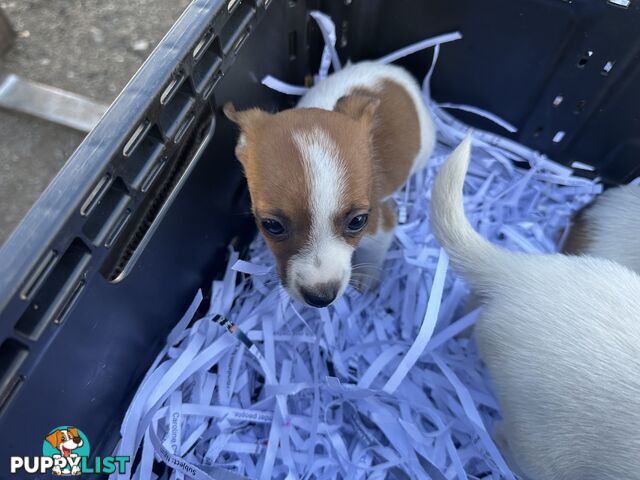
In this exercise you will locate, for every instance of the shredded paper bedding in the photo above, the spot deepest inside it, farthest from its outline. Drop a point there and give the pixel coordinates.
(386, 384)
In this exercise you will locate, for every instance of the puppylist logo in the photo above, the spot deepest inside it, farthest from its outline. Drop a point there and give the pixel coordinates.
(65, 452)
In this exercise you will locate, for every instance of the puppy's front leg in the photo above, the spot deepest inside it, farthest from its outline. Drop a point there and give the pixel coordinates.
(368, 258)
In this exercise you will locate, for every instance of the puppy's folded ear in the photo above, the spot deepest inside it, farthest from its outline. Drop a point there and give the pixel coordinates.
(248, 121)
(358, 106)
(230, 112)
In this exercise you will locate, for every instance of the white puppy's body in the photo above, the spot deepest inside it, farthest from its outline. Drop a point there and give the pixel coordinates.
(370, 75)
(561, 338)
(609, 227)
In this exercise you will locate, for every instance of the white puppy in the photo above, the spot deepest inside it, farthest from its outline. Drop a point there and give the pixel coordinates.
(609, 227)
(561, 338)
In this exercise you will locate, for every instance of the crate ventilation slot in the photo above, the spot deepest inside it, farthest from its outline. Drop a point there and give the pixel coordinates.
(559, 136)
(144, 221)
(231, 6)
(172, 88)
(12, 356)
(207, 71)
(142, 166)
(150, 178)
(108, 214)
(136, 138)
(236, 30)
(177, 113)
(96, 194)
(240, 41)
(203, 45)
(55, 297)
(39, 274)
(620, 3)
(184, 128)
(606, 70)
(584, 59)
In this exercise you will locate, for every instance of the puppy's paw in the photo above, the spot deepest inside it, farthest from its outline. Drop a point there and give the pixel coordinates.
(75, 470)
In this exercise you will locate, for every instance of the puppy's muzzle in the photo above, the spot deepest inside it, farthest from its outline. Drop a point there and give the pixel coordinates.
(321, 295)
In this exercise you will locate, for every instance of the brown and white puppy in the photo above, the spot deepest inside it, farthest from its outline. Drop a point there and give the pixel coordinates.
(609, 227)
(321, 175)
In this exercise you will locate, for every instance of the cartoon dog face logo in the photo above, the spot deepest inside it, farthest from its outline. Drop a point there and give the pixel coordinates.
(65, 440)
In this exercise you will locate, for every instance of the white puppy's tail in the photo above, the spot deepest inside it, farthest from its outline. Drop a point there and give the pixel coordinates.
(470, 254)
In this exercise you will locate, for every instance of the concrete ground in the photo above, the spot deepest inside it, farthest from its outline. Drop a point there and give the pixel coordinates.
(90, 47)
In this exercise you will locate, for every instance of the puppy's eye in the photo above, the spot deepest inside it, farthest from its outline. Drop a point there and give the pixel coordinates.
(273, 227)
(357, 223)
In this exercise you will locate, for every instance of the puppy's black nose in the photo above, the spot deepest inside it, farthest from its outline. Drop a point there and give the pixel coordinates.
(321, 295)
(77, 440)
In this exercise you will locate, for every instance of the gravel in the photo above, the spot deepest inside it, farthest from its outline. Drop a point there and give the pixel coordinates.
(90, 47)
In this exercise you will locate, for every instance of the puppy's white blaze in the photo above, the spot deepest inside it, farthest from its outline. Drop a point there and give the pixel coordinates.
(326, 257)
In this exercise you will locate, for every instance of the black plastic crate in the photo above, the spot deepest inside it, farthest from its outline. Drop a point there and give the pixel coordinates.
(139, 218)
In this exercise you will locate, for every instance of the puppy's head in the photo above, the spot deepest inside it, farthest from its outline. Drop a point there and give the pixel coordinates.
(310, 177)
